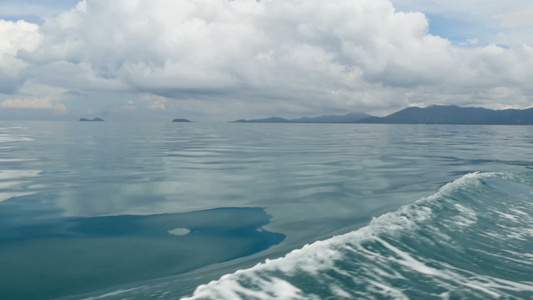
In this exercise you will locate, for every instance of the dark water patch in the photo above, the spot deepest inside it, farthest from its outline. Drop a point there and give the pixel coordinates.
(73, 256)
(26, 210)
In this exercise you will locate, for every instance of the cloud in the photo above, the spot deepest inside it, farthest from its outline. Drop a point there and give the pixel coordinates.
(35, 96)
(155, 102)
(128, 107)
(251, 57)
(34, 103)
(470, 42)
(500, 22)
(15, 36)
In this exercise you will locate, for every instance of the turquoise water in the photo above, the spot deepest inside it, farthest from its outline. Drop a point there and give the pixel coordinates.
(163, 210)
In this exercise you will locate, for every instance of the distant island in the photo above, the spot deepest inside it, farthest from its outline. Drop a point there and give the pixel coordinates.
(434, 114)
(181, 121)
(93, 120)
(347, 118)
(451, 114)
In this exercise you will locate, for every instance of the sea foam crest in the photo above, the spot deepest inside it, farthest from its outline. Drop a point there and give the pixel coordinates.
(416, 251)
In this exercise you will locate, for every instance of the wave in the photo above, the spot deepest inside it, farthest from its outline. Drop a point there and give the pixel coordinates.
(472, 239)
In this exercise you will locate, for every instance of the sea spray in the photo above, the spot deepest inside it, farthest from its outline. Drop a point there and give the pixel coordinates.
(472, 239)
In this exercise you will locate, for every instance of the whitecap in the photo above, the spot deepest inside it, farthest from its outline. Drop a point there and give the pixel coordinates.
(179, 231)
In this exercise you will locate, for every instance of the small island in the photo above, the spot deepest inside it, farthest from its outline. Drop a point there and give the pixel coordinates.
(93, 120)
(181, 121)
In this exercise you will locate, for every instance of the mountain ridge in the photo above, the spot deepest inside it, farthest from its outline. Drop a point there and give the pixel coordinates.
(346, 118)
(455, 115)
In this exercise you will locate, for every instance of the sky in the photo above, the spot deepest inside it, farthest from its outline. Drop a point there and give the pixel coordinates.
(222, 60)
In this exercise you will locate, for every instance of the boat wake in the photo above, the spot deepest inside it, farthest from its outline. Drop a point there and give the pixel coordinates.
(472, 239)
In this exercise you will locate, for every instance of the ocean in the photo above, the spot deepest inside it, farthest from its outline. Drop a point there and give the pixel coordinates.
(139, 210)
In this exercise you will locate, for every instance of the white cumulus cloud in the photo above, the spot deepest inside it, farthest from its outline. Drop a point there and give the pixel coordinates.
(14, 37)
(290, 56)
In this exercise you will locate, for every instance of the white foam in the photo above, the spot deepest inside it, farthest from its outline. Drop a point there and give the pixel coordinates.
(526, 256)
(507, 216)
(338, 291)
(516, 211)
(115, 293)
(408, 261)
(179, 231)
(319, 259)
(274, 288)
(388, 291)
(519, 261)
(481, 288)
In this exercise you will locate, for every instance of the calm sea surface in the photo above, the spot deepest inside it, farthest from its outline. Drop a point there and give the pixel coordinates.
(110, 210)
